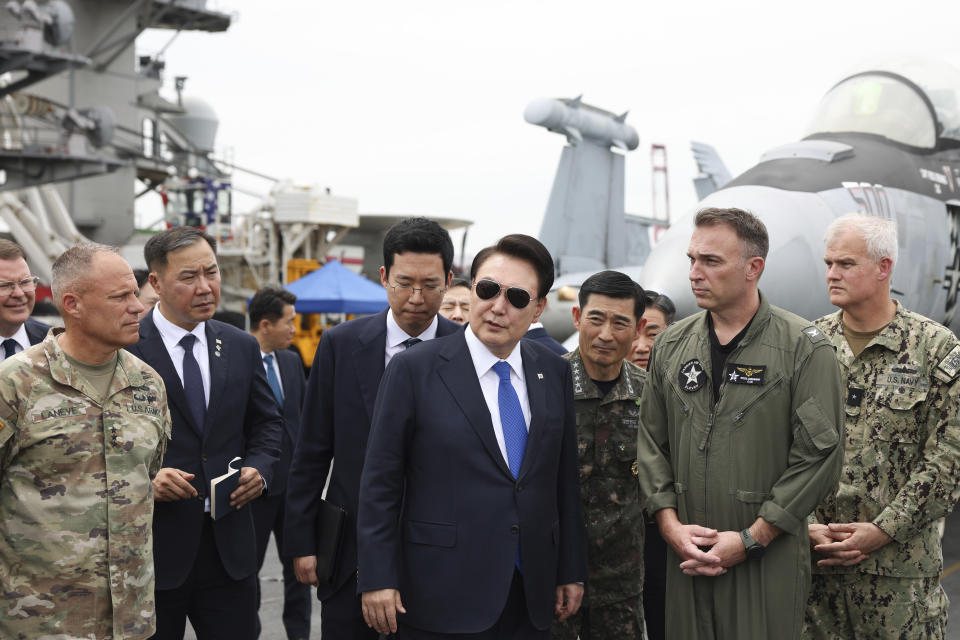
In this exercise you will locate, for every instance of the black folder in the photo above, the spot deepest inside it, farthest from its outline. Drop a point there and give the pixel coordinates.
(330, 525)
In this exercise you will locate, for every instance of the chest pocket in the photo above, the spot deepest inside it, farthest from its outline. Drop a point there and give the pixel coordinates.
(897, 419)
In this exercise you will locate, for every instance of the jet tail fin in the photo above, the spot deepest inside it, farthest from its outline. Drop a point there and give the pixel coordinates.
(713, 172)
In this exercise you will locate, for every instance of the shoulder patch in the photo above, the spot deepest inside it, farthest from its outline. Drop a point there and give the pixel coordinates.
(814, 334)
(950, 365)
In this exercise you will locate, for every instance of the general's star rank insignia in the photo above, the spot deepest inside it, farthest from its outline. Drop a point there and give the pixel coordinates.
(692, 375)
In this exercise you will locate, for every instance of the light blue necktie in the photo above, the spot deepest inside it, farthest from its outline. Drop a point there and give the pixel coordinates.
(511, 418)
(272, 378)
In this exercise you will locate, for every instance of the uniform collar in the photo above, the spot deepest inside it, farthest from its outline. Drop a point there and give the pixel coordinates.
(61, 371)
(891, 337)
(584, 388)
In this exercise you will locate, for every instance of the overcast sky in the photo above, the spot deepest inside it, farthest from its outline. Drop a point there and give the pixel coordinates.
(416, 107)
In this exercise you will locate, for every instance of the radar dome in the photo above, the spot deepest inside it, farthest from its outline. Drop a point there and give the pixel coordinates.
(198, 124)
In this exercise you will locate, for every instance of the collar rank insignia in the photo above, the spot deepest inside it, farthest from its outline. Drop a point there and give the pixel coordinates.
(750, 374)
(854, 396)
(692, 375)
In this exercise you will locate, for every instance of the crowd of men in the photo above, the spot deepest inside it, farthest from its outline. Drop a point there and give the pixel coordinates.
(739, 473)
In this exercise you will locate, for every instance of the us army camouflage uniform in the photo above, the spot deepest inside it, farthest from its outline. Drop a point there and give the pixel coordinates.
(76, 502)
(606, 442)
(768, 447)
(901, 471)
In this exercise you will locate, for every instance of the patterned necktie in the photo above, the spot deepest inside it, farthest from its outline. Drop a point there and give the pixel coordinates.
(193, 381)
(9, 347)
(272, 378)
(409, 342)
(511, 418)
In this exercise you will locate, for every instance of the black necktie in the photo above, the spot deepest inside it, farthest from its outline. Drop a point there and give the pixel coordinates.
(193, 381)
(409, 342)
(9, 347)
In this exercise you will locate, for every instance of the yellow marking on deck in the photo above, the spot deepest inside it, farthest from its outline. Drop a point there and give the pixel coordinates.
(950, 570)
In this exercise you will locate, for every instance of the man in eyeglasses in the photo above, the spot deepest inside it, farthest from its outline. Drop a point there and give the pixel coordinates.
(18, 331)
(470, 518)
(346, 372)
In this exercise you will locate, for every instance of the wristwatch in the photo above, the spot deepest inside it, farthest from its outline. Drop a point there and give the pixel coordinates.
(753, 548)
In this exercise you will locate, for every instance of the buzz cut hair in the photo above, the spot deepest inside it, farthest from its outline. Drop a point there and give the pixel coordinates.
(71, 270)
(880, 234)
(750, 230)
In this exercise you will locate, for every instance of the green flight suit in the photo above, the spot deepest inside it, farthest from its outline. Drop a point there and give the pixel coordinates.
(606, 433)
(770, 447)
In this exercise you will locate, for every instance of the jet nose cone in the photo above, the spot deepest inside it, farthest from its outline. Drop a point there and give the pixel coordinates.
(794, 275)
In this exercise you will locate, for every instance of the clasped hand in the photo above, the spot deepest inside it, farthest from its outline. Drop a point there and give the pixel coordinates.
(707, 552)
(846, 543)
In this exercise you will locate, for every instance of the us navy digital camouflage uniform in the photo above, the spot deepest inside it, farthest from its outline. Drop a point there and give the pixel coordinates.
(606, 444)
(901, 471)
(76, 500)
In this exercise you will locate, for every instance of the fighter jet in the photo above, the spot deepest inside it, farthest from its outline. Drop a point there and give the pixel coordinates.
(885, 142)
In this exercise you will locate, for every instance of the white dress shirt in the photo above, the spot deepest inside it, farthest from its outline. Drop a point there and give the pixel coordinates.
(483, 361)
(396, 336)
(20, 337)
(172, 334)
(276, 365)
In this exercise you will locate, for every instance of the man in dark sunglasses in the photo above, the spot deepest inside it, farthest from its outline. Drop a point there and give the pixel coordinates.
(470, 517)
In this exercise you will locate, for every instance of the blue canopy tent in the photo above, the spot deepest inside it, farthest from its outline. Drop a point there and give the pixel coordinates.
(333, 288)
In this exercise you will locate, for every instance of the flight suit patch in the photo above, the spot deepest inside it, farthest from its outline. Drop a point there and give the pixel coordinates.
(950, 365)
(692, 375)
(854, 396)
(751, 374)
(814, 334)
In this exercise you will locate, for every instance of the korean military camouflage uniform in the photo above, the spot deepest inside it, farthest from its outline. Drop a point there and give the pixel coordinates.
(606, 443)
(901, 469)
(76, 501)
(769, 446)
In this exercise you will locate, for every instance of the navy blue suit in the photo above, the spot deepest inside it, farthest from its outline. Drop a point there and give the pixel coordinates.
(241, 420)
(441, 516)
(36, 330)
(341, 393)
(540, 335)
(268, 510)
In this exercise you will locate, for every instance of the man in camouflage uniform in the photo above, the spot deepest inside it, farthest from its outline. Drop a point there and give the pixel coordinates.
(83, 428)
(877, 538)
(739, 439)
(606, 388)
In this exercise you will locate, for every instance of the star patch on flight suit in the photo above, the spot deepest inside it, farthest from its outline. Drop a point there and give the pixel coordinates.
(692, 375)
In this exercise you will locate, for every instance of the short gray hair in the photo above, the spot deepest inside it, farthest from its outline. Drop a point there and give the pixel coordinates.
(879, 234)
(72, 268)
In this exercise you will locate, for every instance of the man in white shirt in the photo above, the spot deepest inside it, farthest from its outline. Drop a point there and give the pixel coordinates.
(470, 517)
(273, 324)
(222, 408)
(18, 331)
(344, 377)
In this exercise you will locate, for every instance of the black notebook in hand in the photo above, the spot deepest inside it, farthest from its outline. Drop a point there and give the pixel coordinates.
(220, 489)
(330, 522)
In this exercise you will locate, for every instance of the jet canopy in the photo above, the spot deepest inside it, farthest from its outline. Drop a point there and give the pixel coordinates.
(914, 103)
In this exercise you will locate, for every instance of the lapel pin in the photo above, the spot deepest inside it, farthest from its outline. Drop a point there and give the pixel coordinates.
(539, 376)
(217, 340)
